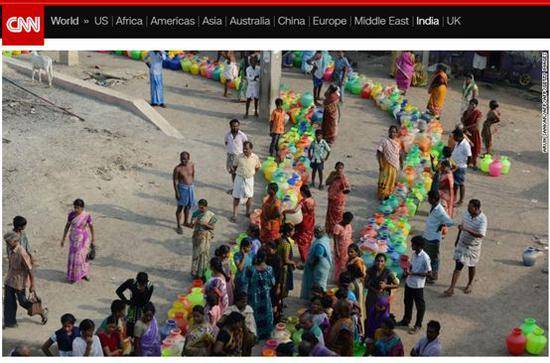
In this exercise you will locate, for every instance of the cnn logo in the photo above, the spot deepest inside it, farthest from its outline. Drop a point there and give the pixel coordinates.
(18, 24)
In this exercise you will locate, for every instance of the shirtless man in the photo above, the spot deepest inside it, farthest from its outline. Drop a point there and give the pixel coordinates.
(183, 178)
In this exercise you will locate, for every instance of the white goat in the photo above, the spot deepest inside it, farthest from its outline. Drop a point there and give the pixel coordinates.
(42, 63)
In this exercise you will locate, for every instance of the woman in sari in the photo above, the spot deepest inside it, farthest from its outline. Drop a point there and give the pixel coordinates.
(493, 117)
(303, 233)
(259, 295)
(343, 238)
(218, 283)
(229, 342)
(78, 223)
(286, 279)
(203, 221)
(389, 344)
(338, 187)
(393, 62)
(404, 71)
(331, 114)
(146, 334)
(379, 281)
(318, 264)
(199, 337)
(154, 62)
(270, 220)
(379, 312)
(470, 120)
(437, 91)
(389, 157)
(469, 92)
(340, 335)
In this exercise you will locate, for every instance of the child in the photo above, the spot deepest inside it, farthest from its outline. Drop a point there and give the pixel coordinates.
(327, 302)
(243, 260)
(253, 88)
(320, 317)
(253, 234)
(212, 311)
(493, 117)
(343, 238)
(63, 337)
(223, 253)
(231, 71)
(317, 73)
(110, 338)
(118, 310)
(276, 126)
(87, 344)
(318, 153)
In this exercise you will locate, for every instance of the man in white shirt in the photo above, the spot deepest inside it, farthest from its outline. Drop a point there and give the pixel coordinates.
(437, 219)
(420, 267)
(253, 88)
(246, 165)
(462, 153)
(234, 140)
(468, 244)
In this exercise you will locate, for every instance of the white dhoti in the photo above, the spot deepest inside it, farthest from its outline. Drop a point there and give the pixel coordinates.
(253, 90)
(243, 188)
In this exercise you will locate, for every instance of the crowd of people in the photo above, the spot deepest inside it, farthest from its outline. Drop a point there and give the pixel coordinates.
(244, 306)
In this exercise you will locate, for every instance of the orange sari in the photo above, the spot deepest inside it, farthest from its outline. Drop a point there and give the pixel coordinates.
(438, 92)
(336, 202)
(270, 220)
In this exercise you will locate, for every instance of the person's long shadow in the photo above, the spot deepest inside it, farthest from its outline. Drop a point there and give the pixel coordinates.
(52, 275)
(124, 214)
(194, 92)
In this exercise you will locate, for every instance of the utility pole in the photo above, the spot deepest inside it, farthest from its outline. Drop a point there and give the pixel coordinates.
(270, 82)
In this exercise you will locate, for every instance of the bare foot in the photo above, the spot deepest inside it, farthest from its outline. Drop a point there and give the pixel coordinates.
(256, 114)
(468, 289)
(448, 292)
(458, 204)
(233, 219)
(188, 225)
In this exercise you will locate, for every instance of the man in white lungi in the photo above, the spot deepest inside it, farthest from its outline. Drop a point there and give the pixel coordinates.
(245, 165)
(468, 245)
(253, 88)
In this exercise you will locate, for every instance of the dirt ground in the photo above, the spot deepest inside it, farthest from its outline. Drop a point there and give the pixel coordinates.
(121, 166)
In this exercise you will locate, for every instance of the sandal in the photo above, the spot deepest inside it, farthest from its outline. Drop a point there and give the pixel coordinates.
(44, 316)
(179, 230)
(414, 329)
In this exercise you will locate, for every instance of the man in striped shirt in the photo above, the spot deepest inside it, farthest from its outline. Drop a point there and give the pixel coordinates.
(468, 244)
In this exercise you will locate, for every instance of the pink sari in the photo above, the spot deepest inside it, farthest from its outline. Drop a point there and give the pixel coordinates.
(404, 71)
(79, 237)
